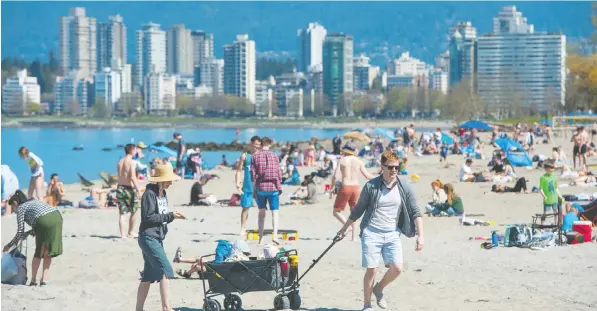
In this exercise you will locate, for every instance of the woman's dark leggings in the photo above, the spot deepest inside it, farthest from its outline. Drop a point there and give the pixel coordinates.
(521, 184)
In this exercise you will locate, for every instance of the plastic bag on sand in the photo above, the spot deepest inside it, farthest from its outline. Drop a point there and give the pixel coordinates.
(9, 267)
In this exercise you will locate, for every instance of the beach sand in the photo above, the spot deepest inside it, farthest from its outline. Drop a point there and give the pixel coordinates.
(100, 272)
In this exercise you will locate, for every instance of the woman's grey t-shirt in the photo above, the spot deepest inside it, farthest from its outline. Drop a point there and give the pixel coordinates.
(385, 217)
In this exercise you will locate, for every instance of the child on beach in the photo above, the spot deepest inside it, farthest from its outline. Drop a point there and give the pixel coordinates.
(548, 184)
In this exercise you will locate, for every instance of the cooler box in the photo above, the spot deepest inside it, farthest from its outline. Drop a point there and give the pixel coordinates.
(584, 228)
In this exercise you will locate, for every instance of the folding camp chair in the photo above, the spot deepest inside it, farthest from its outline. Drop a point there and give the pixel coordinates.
(108, 179)
(85, 184)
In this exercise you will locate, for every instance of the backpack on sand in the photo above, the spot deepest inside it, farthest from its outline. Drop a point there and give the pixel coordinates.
(518, 235)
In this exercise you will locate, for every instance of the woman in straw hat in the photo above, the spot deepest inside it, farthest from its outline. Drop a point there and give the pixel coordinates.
(152, 231)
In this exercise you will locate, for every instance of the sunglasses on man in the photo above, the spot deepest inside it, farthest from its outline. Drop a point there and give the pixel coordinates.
(392, 167)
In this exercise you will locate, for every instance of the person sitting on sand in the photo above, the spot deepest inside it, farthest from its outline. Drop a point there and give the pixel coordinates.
(439, 195)
(223, 163)
(572, 211)
(466, 172)
(326, 170)
(55, 190)
(452, 207)
(197, 195)
(521, 186)
(307, 193)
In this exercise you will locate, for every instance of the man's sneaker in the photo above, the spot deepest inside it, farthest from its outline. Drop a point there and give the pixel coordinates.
(367, 308)
(381, 302)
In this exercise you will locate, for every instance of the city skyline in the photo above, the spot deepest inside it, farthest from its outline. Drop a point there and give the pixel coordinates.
(283, 40)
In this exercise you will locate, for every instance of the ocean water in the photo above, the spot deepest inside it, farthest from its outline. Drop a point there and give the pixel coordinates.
(54, 146)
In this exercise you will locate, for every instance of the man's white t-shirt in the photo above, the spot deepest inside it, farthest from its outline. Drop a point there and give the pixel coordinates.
(464, 171)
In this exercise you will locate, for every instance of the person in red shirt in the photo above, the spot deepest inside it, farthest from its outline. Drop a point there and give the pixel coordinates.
(267, 181)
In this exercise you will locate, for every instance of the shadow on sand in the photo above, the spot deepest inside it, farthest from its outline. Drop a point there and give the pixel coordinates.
(107, 237)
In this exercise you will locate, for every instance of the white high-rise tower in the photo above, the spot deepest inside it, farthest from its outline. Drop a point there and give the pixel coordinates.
(239, 68)
(311, 47)
(151, 52)
(78, 43)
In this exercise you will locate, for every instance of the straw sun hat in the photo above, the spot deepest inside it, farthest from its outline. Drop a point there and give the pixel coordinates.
(164, 173)
(141, 145)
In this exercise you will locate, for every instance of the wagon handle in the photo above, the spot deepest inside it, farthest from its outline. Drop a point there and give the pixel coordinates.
(315, 261)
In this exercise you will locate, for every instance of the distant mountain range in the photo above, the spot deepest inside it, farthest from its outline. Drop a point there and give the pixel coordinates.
(381, 29)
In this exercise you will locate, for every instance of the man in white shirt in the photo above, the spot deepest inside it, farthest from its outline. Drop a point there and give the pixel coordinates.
(466, 172)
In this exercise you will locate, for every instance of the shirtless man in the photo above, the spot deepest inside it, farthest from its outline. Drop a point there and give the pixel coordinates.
(579, 150)
(350, 166)
(128, 190)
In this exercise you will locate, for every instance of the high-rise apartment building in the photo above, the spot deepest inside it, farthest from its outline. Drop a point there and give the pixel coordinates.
(442, 61)
(337, 68)
(19, 92)
(179, 50)
(519, 66)
(438, 80)
(159, 93)
(462, 53)
(211, 74)
(310, 42)
(124, 70)
(111, 42)
(406, 65)
(264, 98)
(239, 68)
(364, 73)
(107, 87)
(511, 21)
(72, 94)
(203, 46)
(77, 45)
(289, 100)
(151, 52)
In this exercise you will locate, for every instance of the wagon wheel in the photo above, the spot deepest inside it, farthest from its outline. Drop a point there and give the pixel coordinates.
(212, 305)
(295, 300)
(281, 302)
(233, 302)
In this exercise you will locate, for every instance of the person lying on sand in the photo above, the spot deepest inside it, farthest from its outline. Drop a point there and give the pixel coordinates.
(521, 186)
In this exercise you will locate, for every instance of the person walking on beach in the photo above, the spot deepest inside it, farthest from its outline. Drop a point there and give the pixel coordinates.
(46, 224)
(337, 143)
(36, 184)
(245, 186)
(267, 184)
(128, 190)
(155, 218)
(349, 166)
(180, 152)
(389, 209)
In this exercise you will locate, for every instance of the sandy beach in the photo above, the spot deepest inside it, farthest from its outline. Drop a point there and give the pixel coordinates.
(101, 272)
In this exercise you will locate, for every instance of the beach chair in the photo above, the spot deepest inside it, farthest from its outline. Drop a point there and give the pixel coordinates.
(108, 179)
(85, 184)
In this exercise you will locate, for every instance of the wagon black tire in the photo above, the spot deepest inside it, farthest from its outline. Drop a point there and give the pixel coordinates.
(233, 303)
(295, 300)
(281, 302)
(212, 305)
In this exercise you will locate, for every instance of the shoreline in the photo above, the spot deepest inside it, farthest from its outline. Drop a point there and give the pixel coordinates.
(206, 123)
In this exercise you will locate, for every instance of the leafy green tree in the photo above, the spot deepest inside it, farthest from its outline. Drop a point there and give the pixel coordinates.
(100, 109)
(130, 103)
(397, 99)
(462, 104)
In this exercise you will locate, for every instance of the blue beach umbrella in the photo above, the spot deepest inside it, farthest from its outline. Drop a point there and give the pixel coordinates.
(477, 125)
